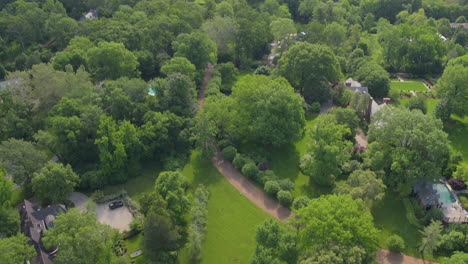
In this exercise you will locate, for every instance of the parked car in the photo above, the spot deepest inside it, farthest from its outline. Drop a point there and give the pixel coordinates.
(116, 204)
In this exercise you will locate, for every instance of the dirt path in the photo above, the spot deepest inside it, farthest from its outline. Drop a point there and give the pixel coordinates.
(206, 79)
(249, 190)
(387, 257)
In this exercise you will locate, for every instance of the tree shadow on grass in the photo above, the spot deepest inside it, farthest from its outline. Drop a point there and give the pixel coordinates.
(203, 170)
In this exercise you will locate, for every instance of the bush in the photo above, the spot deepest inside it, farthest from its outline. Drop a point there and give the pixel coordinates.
(315, 107)
(268, 175)
(230, 153)
(198, 222)
(263, 70)
(285, 198)
(271, 187)
(300, 202)
(457, 184)
(250, 170)
(395, 243)
(286, 184)
(239, 161)
(224, 143)
(432, 215)
(135, 226)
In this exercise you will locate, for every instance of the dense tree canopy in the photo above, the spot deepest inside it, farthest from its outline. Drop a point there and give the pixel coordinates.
(16, 250)
(309, 68)
(408, 145)
(452, 85)
(54, 182)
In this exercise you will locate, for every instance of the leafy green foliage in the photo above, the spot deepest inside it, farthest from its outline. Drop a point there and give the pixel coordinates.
(179, 65)
(16, 250)
(272, 187)
(395, 243)
(285, 198)
(452, 85)
(457, 258)
(81, 239)
(54, 182)
(417, 102)
(431, 237)
(362, 185)
(330, 151)
(408, 145)
(196, 47)
(230, 153)
(250, 170)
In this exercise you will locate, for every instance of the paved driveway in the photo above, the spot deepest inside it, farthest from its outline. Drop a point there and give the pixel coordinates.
(79, 200)
(119, 218)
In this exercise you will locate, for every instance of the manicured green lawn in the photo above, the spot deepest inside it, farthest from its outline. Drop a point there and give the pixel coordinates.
(232, 218)
(408, 86)
(133, 244)
(458, 132)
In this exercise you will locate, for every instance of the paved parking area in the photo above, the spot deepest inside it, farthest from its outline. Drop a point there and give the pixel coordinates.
(119, 218)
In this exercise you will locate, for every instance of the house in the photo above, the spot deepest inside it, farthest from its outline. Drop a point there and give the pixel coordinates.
(90, 15)
(355, 86)
(36, 220)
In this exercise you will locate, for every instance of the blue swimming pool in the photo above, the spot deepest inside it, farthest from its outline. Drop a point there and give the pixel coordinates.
(445, 196)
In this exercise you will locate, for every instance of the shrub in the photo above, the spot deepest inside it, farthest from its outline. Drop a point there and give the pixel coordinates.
(315, 107)
(263, 70)
(285, 198)
(286, 184)
(300, 202)
(229, 153)
(457, 184)
(198, 222)
(250, 170)
(271, 187)
(395, 243)
(268, 175)
(239, 161)
(135, 226)
(432, 215)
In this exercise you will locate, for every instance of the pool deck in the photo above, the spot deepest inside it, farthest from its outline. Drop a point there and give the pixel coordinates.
(454, 212)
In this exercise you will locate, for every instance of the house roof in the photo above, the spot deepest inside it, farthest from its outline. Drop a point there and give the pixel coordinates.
(456, 25)
(355, 86)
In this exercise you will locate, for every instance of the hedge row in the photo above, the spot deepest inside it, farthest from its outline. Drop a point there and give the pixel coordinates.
(196, 231)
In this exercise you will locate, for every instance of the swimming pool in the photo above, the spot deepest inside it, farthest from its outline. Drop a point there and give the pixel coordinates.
(445, 196)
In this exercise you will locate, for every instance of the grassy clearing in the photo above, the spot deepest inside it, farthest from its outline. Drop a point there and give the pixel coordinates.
(408, 86)
(458, 131)
(139, 185)
(232, 218)
(133, 244)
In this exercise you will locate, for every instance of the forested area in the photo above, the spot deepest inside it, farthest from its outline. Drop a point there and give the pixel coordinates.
(93, 94)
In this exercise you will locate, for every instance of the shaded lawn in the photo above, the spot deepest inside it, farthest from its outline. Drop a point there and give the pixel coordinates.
(408, 86)
(133, 244)
(232, 218)
(431, 103)
(138, 185)
(458, 135)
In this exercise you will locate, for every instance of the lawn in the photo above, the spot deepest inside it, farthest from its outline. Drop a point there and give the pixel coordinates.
(232, 218)
(133, 244)
(431, 103)
(408, 86)
(458, 131)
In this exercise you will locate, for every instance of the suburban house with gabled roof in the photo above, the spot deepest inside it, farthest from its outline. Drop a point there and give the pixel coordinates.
(36, 220)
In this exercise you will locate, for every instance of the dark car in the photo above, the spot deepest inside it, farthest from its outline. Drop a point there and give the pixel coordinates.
(116, 204)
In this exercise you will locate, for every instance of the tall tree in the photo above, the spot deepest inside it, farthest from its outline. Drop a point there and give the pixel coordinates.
(310, 68)
(179, 65)
(196, 47)
(329, 151)
(21, 159)
(54, 182)
(431, 236)
(81, 239)
(266, 111)
(362, 185)
(110, 60)
(336, 220)
(16, 250)
(177, 94)
(408, 145)
(452, 85)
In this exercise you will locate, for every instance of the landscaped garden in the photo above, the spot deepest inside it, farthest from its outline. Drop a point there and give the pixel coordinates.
(408, 86)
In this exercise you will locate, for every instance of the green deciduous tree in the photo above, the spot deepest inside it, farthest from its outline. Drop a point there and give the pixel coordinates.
(266, 111)
(177, 94)
(309, 68)
(452, 85)
(337, 220)
(21, 159)
(171, 185)
(110, 60)
(179, 65)
(16, 250)
(457, 258)
(375, 78)
(417, 102)
(431, 236)
(15, 118)
(196, 47)
(408, 145)
(328, 152)
(81, 239)
(54, 182)
(362, 185)
(347, 117)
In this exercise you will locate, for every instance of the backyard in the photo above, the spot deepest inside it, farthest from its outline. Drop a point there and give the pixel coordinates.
(408, 86)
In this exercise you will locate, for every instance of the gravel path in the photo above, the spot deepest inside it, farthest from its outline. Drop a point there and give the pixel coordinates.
(387, 257)
(249, 190)
(206, 79)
